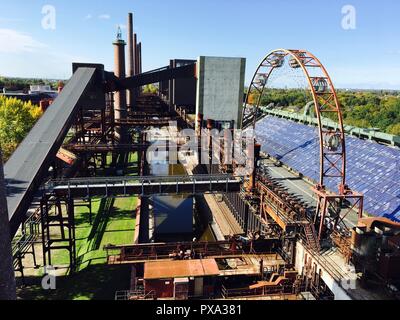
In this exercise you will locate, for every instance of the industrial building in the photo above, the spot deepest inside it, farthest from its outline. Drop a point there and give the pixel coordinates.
(307, 223)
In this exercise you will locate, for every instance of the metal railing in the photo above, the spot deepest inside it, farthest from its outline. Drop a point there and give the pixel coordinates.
(30, 233)
(142, 180)
(124, 186)
(280, 290)
(129, 295)
(330, 266)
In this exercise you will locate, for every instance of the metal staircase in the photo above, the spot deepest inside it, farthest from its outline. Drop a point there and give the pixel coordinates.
(312, 241)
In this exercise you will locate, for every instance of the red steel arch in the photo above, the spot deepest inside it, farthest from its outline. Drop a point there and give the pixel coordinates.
(332, 142)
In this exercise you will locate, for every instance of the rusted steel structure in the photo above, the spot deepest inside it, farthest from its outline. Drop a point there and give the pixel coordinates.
(128, 254)
(106, 121)
(332, 143)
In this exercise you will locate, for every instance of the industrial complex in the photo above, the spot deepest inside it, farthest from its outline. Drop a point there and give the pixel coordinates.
(228, 199)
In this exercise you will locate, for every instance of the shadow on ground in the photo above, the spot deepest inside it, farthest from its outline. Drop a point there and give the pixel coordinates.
(96, 282)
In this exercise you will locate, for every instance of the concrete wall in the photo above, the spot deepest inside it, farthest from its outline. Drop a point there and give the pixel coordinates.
(302, 255)
(220, 88)
(183, 91)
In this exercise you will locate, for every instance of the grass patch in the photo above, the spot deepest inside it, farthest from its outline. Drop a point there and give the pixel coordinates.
(131, 168)
(113, 223)
(97, 282)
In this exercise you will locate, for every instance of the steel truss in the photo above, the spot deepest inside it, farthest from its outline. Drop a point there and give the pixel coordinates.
(332, 143)
(55, 219)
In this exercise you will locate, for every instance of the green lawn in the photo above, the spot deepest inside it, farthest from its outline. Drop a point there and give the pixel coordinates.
(96, 282)
(113, 223)
(131, 166)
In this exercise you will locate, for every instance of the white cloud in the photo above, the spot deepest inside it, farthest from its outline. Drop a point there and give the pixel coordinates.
(88, 17)
(12, 41)
(104, 17)
(23, 56)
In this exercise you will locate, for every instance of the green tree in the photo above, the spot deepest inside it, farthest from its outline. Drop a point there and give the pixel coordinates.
(150, 88)
(375, 109)
(394, 129)
(16, 119)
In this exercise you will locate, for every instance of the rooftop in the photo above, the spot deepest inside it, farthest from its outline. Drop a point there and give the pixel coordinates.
(180, 269)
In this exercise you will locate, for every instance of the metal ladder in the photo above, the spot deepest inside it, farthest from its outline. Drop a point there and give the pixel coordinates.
(311, 237)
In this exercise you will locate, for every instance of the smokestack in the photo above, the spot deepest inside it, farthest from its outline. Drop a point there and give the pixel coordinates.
(135, 53)
(131, 58)
(139, 49)
(135, 48)
(7, 278)
(140, 57)
(119, 71)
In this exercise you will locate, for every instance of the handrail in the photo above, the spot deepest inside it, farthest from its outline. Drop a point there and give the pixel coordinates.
(135, 294)
(148, 179)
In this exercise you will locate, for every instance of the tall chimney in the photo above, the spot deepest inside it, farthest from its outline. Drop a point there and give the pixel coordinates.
(136, 61)
(139, 49)
(140, 57)
(120, 96)
(135, 53)
(7, 278)
(131, 58)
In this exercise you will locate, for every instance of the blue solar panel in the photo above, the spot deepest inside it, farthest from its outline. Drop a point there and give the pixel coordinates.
(373, 169)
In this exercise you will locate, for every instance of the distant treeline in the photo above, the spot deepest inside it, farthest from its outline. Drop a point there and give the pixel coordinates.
(366, 109)
(22, 84)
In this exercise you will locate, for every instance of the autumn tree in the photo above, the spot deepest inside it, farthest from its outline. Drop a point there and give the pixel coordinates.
(16, 119)
(150, 88)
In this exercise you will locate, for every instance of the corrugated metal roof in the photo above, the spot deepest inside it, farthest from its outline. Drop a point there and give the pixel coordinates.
(180, 269)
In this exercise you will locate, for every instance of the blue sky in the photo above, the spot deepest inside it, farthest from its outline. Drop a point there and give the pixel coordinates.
(366, 57)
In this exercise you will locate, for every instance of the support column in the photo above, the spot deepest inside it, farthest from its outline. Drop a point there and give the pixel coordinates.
(246, 220)
(71, 233)
(7, 277)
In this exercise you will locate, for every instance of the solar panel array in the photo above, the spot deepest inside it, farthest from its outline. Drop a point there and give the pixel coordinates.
(372, 169)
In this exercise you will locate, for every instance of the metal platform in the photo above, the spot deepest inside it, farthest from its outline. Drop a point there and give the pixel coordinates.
(145, 186)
